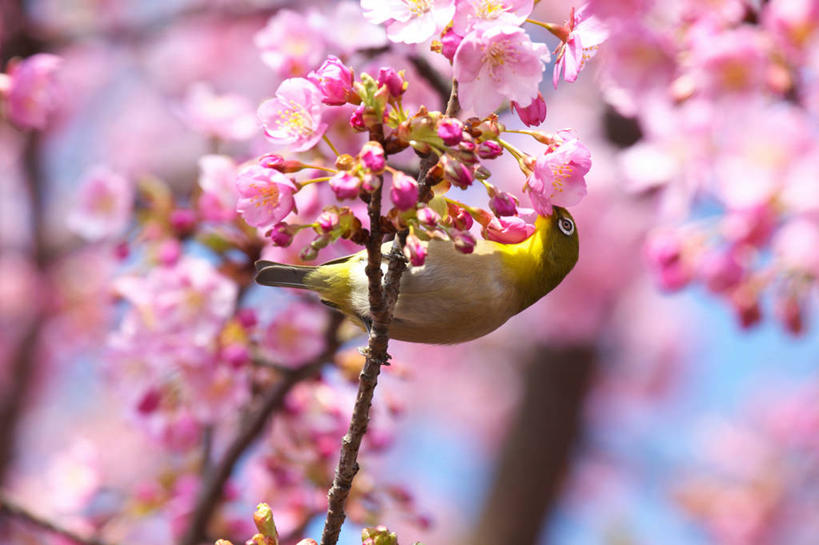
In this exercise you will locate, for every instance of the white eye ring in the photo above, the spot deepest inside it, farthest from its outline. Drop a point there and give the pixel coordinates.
(566, 226)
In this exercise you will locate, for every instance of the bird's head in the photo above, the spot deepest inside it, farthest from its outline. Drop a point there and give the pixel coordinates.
(560, 244)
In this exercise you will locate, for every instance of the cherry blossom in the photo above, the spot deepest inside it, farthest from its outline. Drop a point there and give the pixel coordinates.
(581, 37)
(410, 21)
(470, 13)
(217, 178)
(104, 204)
(497, 63)
(293, 118)
(228, 116)
(265, 195)
(31, 90)
(558, 176)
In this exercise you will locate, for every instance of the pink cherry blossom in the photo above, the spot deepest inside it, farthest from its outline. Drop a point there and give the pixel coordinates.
(228, 116)
(508, 230)
(265, 195)
(469, 13)
(334, 80)
(290, 43)
(585, 33)
(534, 114)
(103, 207)
(410, 21)
(496, 63)
(351, 30)
(31, 90)
(797, 246)
(558, 176)
(345, 185)
(292, 119)
(217, 178)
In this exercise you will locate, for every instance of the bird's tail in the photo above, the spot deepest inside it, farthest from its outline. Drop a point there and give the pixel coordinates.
(269, 273)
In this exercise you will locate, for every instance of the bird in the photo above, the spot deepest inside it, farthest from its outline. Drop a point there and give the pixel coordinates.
(453, 297)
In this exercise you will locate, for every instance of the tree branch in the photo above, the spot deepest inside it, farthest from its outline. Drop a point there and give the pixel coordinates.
(382, 301)
(438, 82)
(14, 510)
(211, 494)
(430, 159)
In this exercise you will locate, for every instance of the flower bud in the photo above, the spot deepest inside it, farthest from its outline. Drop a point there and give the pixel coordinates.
(415, 250)
(307, 542)
(271, 160)
(236, 355)
(394, 81)
(327, 221)
(222, 542)
(427, 216)
(149, 402)
(534, 114)
(490, 128)
(357, 119)
(404, 192)
(455, 172)
(449, 44)
(503, 204)
(370, 183)
(345, 185)
(721, 271)
(263, 518)
(281, 235)
(169, 252)
(461, 219)
(664, 253)
(509, 230)
(450, 130)
(378, 536)
(789, 311)
(345, 161)
(464, 241)
(489, 149)
(183, 220)
(372, 157)
(334, 80)
(247, 318)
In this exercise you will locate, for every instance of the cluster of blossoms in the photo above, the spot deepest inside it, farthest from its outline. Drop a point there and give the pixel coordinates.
(493, 60)
(727, 106)
(29, 90)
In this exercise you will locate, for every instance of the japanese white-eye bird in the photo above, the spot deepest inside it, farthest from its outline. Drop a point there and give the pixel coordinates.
(453, 297)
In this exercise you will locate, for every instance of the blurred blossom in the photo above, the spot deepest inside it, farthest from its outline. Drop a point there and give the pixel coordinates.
(31, 91)
(496, 63)
(76, 475)
(295, 335)
(291, 44)
(217, 179)
(797, 246)
(227, 117)
(104, 203)
(352, 31)
(410, 22)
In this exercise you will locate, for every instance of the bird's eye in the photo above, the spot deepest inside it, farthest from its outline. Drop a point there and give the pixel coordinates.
(566, 226)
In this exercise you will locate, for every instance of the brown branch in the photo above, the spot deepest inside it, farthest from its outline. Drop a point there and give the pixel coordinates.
(536, 452)
(429, 160)
(16, 511)
(211, 494)
(382, 301)
(438, 82)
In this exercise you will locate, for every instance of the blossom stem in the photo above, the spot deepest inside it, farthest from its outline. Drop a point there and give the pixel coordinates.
(332, 147)
(511, 149)
(314, 180)
(325, 169)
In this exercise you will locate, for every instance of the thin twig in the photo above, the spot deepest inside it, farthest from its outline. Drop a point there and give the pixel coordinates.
(14, 510)
(429, 160)
(211, 494)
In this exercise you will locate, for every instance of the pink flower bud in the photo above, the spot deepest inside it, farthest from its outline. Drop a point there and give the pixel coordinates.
(271, 160)
(393, 80)
(357, 119)
(461, 219)
(307, 542)
(372, 157)
(464, 241)
(790, 313)
(345, 185)
(450, 130)
(236, 355)
(334, 80)
(416, 250)
(183, 220)
(169, 252)
(745, 301)
(721, 271)
(370, 183)
(456, 173)
(427, 216)
(281, 235)
(509, 230)
(503, 204)
(533, 114)
(404, 192)
(449, 44)
(327, 221)
(122, 250)
(489, 150)
(149, 402)
(247, 318)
